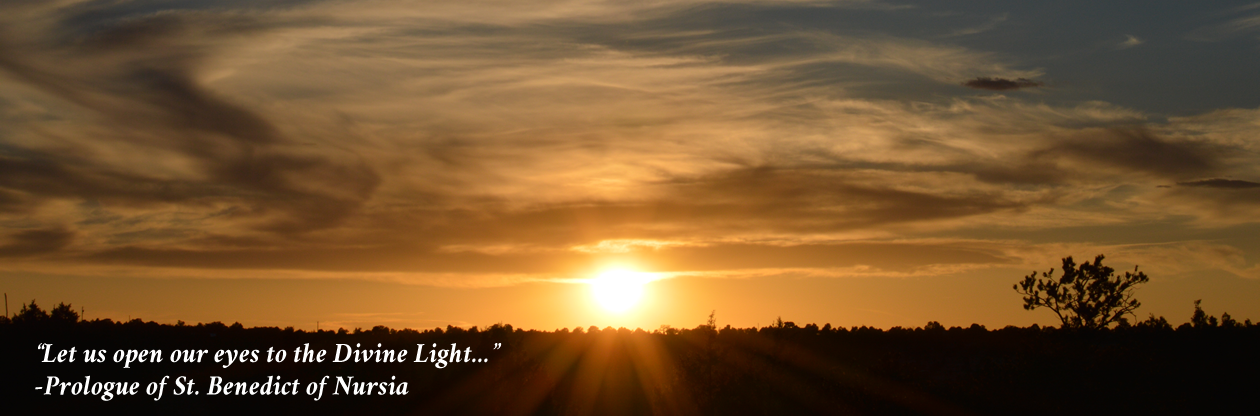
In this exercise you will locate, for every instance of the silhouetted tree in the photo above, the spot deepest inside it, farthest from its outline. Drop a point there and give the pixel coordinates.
(1201, 319)
(64, 313)
(1088, 296)
(1228, 321)
(1155, 323)
(30, 314)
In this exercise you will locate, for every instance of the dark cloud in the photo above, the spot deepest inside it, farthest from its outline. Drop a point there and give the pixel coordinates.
(35, 242)
(41, 174)
(1221, 183)
(1031, 172)
(781, 201)
(1227, 200)
(12, 202)
(772, 199)
(1002, 84)
(1098, 155)
(1137, 149)
(138, 74)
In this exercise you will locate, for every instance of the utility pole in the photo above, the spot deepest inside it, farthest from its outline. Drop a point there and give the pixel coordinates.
(6, 304)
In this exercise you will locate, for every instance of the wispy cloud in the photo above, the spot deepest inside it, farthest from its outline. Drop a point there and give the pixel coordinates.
(444, 145)
(1227, 30)
(987, 26)
(1002, 84)
(1129, 42)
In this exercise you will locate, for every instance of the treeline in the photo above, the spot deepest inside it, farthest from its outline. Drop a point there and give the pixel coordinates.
(1204, 366)
(32, 315)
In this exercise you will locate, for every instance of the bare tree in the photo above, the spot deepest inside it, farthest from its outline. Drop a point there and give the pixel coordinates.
(1086, 296)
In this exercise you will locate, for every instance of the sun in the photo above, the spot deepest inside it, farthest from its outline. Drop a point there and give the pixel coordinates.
(618, 290)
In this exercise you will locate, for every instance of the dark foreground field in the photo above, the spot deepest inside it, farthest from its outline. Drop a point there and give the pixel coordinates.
(777, 370)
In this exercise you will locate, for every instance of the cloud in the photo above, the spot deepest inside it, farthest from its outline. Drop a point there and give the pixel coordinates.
(1221, 183)
(1216, 202)
(1129, 42)
(1139, 150)
(942, 63)
(138, 75)
(987, 26)
(1002, 84)
(432, 144)
(898, 258)
(482, 270)
(35, 242)
(1225, 31)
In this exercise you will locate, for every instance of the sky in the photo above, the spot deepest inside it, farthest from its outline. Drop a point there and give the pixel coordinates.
(430, 163)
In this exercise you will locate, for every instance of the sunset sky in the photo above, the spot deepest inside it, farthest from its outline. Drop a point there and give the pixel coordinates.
(464, 162)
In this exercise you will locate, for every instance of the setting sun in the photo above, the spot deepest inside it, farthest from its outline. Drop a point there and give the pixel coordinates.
(618, 290)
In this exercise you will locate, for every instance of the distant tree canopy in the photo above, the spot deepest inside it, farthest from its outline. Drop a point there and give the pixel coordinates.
(1086, 296)
(1201, 319)
(33, 314)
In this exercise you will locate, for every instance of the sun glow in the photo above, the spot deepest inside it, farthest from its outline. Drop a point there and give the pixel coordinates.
(618, 290)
